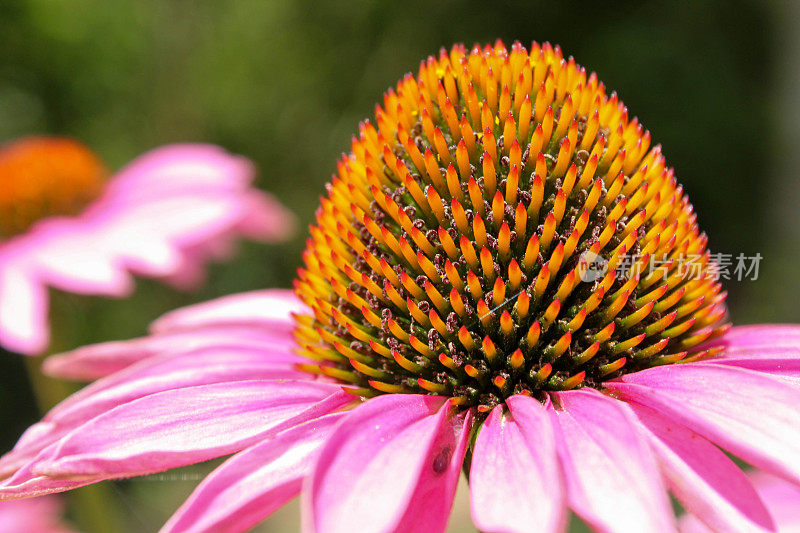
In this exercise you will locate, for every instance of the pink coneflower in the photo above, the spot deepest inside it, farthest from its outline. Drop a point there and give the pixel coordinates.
(33, 515)
(65, 224)
(477, 294)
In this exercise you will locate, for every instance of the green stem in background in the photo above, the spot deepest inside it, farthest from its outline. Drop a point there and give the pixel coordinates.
(93, 505)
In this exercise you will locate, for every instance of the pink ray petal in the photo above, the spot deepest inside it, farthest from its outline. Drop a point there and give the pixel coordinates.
(786, 367)
(185, 426)
(515, 481)
(98, 360)
(780, 497)
(703, 478)
(382, 456)
(751, 414)
(270, 309)
(429, 509)
(27, 484)
(772, 341)
(613, 482)
(164, 372)
(252, 484)
(199, 367)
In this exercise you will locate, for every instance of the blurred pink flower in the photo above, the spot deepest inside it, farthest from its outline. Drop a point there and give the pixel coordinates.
(167, 213)
(781, 498)
(221, 378)
(33, 515)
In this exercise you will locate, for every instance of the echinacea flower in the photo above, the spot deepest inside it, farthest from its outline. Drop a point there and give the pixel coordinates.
(64, 223)
(478, 294)
(32, 515)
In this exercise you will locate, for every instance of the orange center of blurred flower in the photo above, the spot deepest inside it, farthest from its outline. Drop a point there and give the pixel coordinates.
(45, 176)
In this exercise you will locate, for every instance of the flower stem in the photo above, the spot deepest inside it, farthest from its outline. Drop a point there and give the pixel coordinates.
(93, 505)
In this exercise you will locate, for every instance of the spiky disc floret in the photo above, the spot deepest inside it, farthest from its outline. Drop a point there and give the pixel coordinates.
(450, 253)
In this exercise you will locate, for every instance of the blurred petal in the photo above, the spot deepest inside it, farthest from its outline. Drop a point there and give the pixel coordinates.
(265, 218)
(70, 254)
(515, 481)
(703, 478)
(178, 166)
(751, 414)
(251, 485)
(613, 482)
(23, 312)
(164, 216)
(271, 309)
(98, 360)
(372, 472)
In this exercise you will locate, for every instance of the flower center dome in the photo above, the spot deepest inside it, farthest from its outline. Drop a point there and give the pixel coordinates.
(504, 227)
(45, 176)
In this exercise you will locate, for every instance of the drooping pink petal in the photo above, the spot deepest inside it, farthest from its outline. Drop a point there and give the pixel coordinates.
(27, 484)
(774, 349)
(32, 515)
(515, 481)
(773, 341)
(98, 360)
(705, 480)
(751, 414)
(786, 368)
(197, 367)
(613, 482)
(381, 457)
(251, 485)
(780, 497)
(185, 426)
(271, 309)
(161, 373)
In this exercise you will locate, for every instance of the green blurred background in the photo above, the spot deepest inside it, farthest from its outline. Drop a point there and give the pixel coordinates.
(286, 82)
